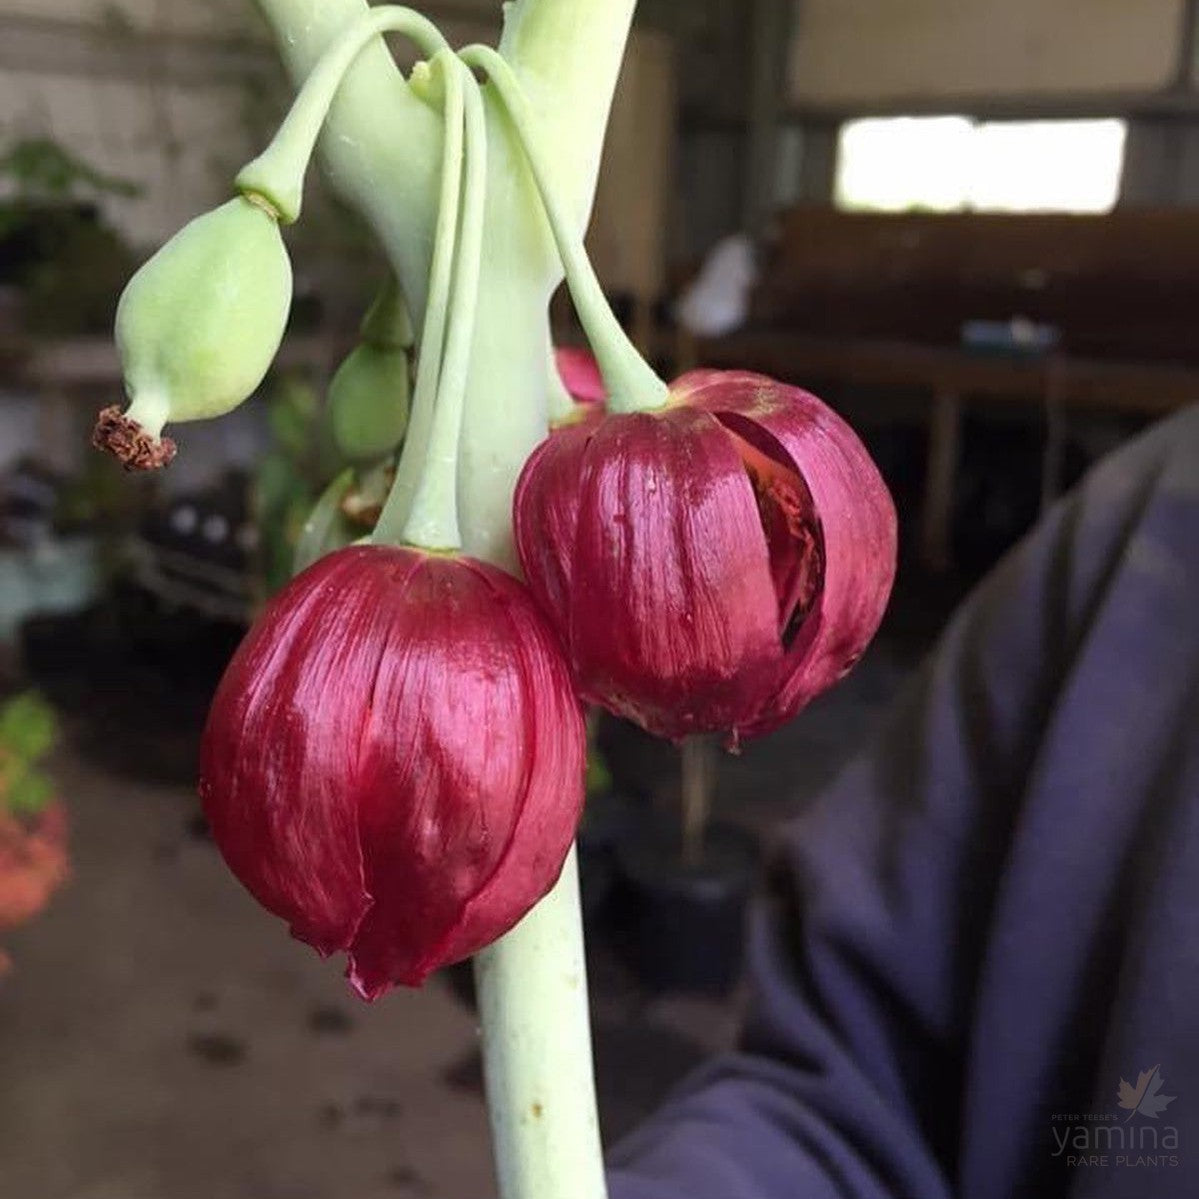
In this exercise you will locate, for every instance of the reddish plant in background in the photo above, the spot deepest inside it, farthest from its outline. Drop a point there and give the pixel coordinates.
(33, 824)
(33, 865)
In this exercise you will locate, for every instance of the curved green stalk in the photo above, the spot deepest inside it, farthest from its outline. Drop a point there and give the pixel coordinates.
(277, 174)
(393, 521)
(632, 384)
(381, 151)
(381, 146)
(325, 530)
(433, 521)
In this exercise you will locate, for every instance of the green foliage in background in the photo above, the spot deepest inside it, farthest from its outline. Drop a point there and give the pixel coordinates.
(69, 264)
(300, 464)
(40, 169)
(28, 731)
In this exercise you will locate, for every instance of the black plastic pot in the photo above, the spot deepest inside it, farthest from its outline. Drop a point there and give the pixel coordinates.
(460, 978)
(641, 765)
(609, 820)
(682, 927)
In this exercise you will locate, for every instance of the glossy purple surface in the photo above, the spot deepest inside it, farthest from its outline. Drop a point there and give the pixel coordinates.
(712, 565)
(394, 760)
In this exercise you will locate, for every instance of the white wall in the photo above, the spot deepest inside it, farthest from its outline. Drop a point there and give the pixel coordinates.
(167, 93)
(858, 51)
(212, 17)
(179, 144)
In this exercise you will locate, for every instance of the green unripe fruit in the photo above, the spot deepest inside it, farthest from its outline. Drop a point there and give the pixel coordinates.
(368, 401)
(370, 395)
(199, 325)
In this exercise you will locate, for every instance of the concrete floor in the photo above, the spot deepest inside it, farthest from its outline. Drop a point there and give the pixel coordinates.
(161, 1037)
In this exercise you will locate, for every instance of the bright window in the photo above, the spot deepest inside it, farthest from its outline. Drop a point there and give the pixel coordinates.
(954, 163)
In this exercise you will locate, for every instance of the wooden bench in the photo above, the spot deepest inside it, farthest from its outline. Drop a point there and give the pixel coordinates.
(879, 301)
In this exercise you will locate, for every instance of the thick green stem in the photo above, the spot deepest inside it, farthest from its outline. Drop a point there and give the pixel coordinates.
(381, 150)
(392, 526)
(277, 174)
(630, 381)
(433, 521)
(567, 56)
(532, 987)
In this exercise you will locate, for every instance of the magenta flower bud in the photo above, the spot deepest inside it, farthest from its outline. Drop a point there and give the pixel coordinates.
(714, 564)
(394, 760)
(580, 374)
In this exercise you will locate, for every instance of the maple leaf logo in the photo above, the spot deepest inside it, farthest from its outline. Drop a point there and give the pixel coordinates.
(1146, 1096)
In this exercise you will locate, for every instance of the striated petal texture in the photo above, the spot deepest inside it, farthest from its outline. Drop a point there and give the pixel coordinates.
(281, 742)
(714, 564)
(545, 824)
(545, 510)
(669, 613)
(394, 760)
(855, 518)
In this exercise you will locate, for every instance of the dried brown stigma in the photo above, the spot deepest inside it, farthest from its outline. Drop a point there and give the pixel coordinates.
(129, 443)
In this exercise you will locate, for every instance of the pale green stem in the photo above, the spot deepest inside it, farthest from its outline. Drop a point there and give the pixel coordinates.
(567, 56)
(532, 987)
(630, 381)
(392, 527)
(277, 174)
(433, 521)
